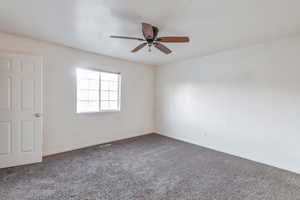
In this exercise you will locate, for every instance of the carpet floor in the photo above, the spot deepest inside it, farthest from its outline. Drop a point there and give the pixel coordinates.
(150, 167)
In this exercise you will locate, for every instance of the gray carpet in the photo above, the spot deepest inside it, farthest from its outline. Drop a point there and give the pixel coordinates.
(147, 167)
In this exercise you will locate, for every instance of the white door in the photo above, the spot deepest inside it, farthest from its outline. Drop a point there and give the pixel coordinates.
(20, 109)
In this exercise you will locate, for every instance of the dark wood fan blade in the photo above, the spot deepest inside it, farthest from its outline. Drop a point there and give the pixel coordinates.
(139, 47)
(173, 39)
(147, 31)
(155, 32)
(163, 48)
(125, 37)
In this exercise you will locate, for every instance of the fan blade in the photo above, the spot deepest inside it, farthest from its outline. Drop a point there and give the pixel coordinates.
(125, 37)
(163, 48)
(147, 31)
(173, 39)
(139, 47)
(155, 32)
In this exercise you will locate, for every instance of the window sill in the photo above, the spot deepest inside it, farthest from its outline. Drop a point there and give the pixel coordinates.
(104, 111)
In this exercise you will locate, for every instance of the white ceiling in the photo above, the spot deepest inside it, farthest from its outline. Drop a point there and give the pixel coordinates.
(213, 25)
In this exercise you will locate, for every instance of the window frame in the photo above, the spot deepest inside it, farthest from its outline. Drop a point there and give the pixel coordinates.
(100, 110)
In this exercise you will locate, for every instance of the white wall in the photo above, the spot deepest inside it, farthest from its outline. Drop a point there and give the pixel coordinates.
(245, 102)
(64, 129)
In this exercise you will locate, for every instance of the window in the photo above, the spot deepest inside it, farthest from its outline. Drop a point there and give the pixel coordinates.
(97, 91)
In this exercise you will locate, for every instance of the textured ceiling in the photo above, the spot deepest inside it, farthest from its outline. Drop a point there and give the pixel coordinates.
(213, 25)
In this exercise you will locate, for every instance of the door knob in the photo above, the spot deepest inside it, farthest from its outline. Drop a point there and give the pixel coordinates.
(37, 115)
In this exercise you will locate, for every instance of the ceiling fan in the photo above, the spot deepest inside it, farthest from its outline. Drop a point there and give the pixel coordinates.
(150, 38)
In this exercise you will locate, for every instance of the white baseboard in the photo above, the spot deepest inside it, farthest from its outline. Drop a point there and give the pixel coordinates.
(63, 150)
